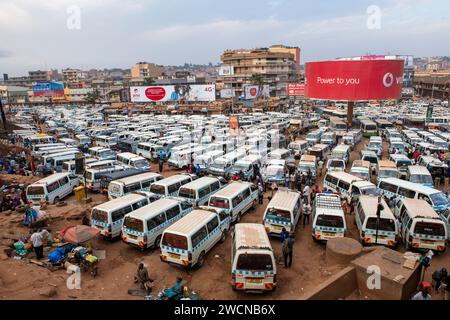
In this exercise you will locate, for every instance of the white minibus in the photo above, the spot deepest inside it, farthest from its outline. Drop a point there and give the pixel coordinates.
(187, 241)
(144, 227)
(328, 219)
(366, 221)
(386, 169)
(348, 185)
(139, 182)
(253, 264)
(283, 211)
(236, 198)
(199, 191)
(341, 151)
(108, 216)
(52, 188)
(420, 175)
(170, 186)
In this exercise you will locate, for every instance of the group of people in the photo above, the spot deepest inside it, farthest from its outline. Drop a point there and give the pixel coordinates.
(13, 197)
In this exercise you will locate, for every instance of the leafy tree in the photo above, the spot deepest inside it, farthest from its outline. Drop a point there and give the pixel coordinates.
(93, 96)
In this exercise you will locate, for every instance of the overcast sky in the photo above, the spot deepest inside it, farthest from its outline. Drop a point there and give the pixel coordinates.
(117, 33)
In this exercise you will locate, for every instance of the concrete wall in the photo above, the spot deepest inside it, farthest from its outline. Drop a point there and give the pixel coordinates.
(338, 286)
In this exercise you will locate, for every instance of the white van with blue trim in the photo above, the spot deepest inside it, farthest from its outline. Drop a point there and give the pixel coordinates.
(401, 189)
(108, 216)
(52, 188)
(283, 211)
(253, 265)
(420, 175)
(139, 182)
(187, 241)
(144, 227)
(366, 221)
(236, 198)
(199, 191)
(328, 219)
(170, 186)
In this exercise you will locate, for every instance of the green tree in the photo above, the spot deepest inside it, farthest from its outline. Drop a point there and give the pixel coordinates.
(149, 81)
(93, 96)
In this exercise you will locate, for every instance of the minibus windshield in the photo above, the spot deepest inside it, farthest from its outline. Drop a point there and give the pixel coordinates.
(186, 193)
(403, 163)
(370, 191)
(386, 173)
(140, 163)
(429, 228)
(279, 215)
(254, 262)
(219, 202)
(325, 220)
(133, 224)
(175, 241)
(35, 190)
(99, 215)
(371, 159)
(439, 199)
(421, 178)
(384, 224)
(336, 164)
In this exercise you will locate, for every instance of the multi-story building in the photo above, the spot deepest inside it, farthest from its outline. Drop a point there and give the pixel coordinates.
(73, 77)
(434, 84)
(277, 66)
(146, 70)
(39, 76)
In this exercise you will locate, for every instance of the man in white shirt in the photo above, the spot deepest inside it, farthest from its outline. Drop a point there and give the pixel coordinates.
(306, 194)
(37, 239)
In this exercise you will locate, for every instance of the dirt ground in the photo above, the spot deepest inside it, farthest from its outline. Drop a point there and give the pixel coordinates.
(21, 280)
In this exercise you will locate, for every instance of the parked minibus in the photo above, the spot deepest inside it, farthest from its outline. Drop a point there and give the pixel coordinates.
(372, 158)
(283, 211)
(170, 186)
(386, 233)
(348, 185)
(143, 228)
(134, 161)
(420, 226)
(298, 147)
(222, 165)
(368, 128)
(187, 241)
(313, 137)
(93, 176)
(436, 167)
(236, 199)
(387, 169)
(274, 172)
(139, 182)
(107, 217)
(82, 140)
(361, 169)
(69, 166)
(205, 160)
(335, 165)
(328, 219)
(36, 147)
(246, 166)
(308, 163)
(102, 153)
(279, 154)
(105, 141)
(48, 160)
(376, 145)
(52, 188)
(401, 162)
(183, 158)
(396, 144)
(253, 264)
(199, 191)
(400, 189)
(320, 151)
(420, 175)
(338, 126)
(341, 151)
(328, 138)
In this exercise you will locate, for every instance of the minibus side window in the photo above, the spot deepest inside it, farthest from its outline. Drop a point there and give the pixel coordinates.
(52, 186)
(408, 226)
(426, 198)
(344, 185)
(406, 192)
(223, 215)
(185, 205)
(246, 193)
(199, 236)
(174, 187)
(388, 187)
(132, 187)
(203, 192)
(173, 212)
(236, 200)
(212, 224)
(215, 186)
(402, 213)
(63, 181)
(156, 221)
(140, 204)
(146, 184)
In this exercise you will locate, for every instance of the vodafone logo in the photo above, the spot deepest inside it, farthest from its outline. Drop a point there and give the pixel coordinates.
(155, 93)
(388, 80)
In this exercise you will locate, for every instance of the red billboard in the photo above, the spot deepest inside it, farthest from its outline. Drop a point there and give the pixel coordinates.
(354, 80)
(295, 89)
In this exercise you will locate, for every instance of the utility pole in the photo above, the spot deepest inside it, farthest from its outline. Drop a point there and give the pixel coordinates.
(2, 114)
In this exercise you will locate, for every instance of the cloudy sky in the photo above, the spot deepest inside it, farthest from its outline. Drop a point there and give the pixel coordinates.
(34, 34)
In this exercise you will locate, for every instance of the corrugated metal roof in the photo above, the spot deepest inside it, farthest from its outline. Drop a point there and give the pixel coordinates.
(251, 235)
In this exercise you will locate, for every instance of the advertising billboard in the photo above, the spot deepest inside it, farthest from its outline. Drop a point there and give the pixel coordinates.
(173, 93)
(50, 88)
(226, 93)
(295, 89)
(354, 80)
(226, 70)
(254, 92)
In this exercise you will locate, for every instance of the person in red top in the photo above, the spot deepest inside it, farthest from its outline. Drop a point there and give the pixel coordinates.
(416, 155)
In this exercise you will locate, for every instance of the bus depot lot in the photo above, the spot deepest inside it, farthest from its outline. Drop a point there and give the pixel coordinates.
(21, 280)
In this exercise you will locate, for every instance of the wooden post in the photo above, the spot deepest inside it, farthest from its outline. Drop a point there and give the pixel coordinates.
(350, 105)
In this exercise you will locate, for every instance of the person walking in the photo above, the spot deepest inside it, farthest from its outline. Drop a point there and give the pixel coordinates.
(306, 194)
(320, 167)
(306, 214)
(439, 276)
(160, 164)
(260, 193)
(288, 249)
(424, 293)
(37, 240)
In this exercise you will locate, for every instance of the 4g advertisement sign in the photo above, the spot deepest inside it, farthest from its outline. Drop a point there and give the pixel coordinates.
(354, 80)
(175, 93)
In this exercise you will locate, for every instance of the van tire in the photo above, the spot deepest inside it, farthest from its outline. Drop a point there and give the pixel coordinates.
(157, 242)
(200, 261)
(56, 200)
(223, 237)
(238, 218)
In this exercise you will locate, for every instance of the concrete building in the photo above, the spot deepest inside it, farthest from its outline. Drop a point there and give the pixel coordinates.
(73, 77)
(277, 65)
(39, 76)
(14, 94)
(433, 84)
(146, 70)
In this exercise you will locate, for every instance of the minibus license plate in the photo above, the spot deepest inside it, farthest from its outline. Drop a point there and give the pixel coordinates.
(277, 227)
(328, 234)
(132, 237)
(254, 280)
(174, 256)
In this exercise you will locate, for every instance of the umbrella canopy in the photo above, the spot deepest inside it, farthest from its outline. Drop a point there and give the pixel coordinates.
(79, 234)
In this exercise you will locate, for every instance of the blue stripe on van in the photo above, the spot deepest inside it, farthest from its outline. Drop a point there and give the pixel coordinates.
(253, 273)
